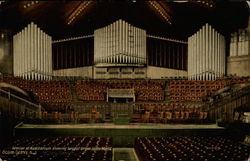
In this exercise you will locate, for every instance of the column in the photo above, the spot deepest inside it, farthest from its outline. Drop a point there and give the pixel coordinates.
(240, 52)
(245, 43)
(236, 44)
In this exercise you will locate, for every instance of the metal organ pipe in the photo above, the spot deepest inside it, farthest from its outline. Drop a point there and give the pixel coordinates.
(32, 50)
(206, 54)
(120, 42)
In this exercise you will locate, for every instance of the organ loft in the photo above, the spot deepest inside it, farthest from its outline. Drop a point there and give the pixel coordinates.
(129, 80)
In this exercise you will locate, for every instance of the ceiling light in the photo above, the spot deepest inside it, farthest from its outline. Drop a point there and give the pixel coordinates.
(180, 1)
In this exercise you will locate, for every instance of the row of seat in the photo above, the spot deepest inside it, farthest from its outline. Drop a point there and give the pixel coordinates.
(170, 113)
(196, 91)
(196, 148)
(63, 141)
(58, 148)
(44, 91)
(60, 155)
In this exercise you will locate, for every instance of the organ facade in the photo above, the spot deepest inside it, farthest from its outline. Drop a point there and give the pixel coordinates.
(206, 54)
(120, 43)
(32, 53)
(238, 61)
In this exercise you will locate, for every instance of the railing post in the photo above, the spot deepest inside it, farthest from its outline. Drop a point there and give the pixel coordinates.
(39, 111)
(9, 95)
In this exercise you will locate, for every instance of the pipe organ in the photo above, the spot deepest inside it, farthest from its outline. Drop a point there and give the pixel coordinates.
(206, 54)
(240, 43)
(32, 53)
(120, 43)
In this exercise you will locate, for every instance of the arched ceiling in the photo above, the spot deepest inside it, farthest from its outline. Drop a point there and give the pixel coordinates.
(178, 19)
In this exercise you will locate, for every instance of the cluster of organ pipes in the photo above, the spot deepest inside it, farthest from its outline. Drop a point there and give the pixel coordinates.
(120, 43)
(32, 54)
(206, 54)
(240, 43)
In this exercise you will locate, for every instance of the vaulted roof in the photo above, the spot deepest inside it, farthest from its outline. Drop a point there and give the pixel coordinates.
(178, 19)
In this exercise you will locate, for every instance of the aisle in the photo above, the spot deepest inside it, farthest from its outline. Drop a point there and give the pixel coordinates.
(124, 154)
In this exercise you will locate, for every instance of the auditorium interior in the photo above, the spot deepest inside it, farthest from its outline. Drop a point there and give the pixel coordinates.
(127, 80)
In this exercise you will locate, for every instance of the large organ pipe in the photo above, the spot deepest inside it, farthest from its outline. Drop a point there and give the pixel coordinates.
(209, 52)
(32, 50)
(194, 54)
(189, 51)
(23, 51)
(191, 57)
(14, 52)
(28, 59)
(199, 55)
(206, 52)
(35, 50)
(216, 54)
(213, 53)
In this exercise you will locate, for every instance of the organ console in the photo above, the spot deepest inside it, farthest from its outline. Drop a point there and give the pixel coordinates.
(206, 54)
(120, 43)
(32, 53)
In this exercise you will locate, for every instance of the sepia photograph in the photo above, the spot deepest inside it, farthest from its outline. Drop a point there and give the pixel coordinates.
(125, 80)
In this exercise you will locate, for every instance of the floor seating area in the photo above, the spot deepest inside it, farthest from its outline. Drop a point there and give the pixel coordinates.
(44, 91)
(64, 141)
(194, 148)
(70, 148)
(170, 113)
(195, 91)
(97, 90)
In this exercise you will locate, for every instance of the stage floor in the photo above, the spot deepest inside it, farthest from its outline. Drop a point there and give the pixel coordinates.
(130, 126)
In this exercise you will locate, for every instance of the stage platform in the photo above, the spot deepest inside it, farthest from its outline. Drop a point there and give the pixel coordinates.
(122, 135)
